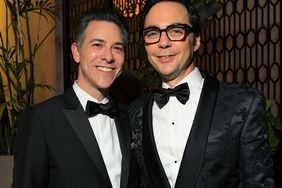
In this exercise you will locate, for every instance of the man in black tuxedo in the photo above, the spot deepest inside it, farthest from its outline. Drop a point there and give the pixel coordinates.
(81, 139)
(210, 134)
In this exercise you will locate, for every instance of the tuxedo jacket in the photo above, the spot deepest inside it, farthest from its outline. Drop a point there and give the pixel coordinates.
(227, 145)
(56, 148)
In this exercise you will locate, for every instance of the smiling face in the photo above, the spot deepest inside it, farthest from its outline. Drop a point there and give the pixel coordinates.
(100, 57)
(172, 59)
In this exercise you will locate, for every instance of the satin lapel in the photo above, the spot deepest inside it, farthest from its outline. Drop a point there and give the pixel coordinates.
(196, 144)
(80, 124)
(123, 130)
(153, 164)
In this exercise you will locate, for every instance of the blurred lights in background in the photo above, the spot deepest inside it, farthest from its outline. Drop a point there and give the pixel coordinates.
(129, 8)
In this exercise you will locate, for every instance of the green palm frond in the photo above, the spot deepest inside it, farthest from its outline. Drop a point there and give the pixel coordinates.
(18, 48)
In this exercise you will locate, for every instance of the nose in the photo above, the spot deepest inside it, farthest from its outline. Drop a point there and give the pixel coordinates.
(107, 55)
(164, 41)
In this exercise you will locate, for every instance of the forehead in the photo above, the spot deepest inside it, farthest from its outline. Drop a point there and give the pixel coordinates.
(105, 30)
(166, 13)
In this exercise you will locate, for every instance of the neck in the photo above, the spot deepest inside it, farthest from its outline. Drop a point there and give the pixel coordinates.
(96, 93)
(175, 81)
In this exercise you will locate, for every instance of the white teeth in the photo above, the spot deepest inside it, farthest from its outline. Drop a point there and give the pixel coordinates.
(104, 69)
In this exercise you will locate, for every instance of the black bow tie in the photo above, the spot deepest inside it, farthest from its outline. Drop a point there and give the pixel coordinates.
(181, 92)
(108, 109)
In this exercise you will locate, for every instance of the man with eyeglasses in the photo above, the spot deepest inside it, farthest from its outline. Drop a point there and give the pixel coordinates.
(195, 131)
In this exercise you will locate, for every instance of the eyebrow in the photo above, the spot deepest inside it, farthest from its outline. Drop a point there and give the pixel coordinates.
(119, 43)
(155, 26)
(103, 41)
(96, 40)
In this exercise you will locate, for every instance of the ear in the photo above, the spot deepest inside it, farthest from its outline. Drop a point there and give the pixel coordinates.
(75, 52)
(197, 43)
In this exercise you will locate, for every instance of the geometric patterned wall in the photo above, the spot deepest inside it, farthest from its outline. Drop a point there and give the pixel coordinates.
(242, 44)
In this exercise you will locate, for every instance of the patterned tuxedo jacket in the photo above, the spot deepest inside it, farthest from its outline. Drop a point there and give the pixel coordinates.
(227, 145)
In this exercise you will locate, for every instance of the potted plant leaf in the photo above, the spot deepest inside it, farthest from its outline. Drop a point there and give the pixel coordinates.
(19, 44)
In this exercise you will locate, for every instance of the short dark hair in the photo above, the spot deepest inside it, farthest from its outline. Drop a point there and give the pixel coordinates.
(100, 15)
(192, 12)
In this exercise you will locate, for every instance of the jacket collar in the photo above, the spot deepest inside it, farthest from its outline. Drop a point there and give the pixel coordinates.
(78, 120)
(196, 144)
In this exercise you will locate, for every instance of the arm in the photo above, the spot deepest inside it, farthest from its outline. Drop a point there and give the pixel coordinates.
(255, 158)
(30, 154)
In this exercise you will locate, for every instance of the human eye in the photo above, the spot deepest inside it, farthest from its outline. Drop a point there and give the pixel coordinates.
(152, 33)
(118, 48)
(97, 45)
(176, 31)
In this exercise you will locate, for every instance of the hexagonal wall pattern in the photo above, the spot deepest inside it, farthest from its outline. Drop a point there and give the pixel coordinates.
(246, 46)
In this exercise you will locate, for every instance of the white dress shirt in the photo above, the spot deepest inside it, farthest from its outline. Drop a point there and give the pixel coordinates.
(106, 135)
(172, 125)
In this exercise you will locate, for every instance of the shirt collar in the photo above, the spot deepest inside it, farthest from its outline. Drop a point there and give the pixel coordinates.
(84, 96)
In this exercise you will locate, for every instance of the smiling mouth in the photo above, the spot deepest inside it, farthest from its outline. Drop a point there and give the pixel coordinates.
(106, 69)
(165, 56)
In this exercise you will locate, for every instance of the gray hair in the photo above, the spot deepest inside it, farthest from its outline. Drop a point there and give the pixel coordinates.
(100, 15)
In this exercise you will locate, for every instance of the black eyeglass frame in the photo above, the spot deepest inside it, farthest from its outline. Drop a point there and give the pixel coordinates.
(188, 29)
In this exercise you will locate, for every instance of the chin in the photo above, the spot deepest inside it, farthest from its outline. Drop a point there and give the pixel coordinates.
(166, 77)
(104, 87)
(166, 73)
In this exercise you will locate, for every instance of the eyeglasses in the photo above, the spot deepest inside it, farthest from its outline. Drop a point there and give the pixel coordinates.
(175, 32)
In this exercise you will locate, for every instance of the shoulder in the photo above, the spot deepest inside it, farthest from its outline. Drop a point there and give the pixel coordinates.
(237, 95)
(67, 100)
(45, 108)
(50, 104)
(239, 90)
(32, 119)
(232, 92)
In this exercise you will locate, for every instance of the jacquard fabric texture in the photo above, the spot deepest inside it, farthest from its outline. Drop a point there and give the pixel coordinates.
(235, 150)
